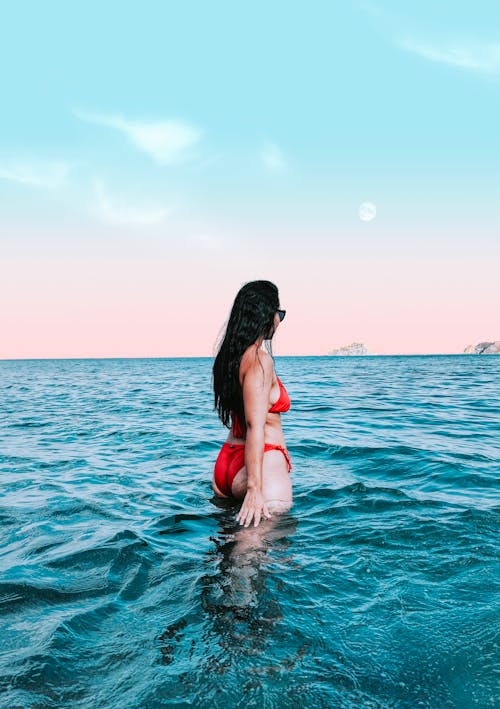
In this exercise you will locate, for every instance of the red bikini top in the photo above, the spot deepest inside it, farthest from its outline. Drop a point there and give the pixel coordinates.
(280, 406)
(283, 403)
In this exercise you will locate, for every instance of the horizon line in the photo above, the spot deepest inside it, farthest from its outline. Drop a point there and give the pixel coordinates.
(390, 354)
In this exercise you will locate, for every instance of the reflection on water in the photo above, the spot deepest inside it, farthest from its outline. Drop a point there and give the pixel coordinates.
(239, 606)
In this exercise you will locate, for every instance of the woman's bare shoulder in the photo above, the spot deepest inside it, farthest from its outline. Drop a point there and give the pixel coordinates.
(254, 360)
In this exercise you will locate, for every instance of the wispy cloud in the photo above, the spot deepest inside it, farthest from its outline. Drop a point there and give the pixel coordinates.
(50, 175)
(273, 157)
(121, 212)
(165, 141)
(481, 57)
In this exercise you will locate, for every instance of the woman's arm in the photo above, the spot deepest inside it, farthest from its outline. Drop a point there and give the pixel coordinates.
(257, 383)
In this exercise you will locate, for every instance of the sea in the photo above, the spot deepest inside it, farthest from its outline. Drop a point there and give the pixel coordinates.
(125, 582)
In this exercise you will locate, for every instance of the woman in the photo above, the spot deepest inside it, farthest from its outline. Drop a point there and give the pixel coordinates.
(253, 463)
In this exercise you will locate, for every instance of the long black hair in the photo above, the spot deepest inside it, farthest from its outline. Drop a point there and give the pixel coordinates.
(251, 318)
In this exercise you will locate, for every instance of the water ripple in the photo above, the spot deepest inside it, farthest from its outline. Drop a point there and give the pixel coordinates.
(125, 582)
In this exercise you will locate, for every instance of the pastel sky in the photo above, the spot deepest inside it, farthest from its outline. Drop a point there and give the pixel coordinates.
(155, 156)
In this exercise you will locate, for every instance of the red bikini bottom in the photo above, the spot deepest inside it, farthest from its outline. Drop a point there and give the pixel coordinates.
(231, 458)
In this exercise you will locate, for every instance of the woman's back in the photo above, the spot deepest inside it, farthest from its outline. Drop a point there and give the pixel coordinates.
(278, 393)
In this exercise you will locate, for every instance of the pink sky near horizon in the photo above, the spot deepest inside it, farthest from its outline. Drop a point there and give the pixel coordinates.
(128, 297)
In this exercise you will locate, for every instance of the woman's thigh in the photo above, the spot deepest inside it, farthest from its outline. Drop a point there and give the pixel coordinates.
(276, 481)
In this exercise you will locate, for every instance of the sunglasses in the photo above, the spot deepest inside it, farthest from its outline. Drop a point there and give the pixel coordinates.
(281, 314)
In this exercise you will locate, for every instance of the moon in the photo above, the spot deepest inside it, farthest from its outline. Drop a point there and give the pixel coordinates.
(367, 211)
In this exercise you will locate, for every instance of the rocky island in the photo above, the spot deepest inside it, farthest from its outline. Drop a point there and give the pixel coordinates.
(354, 349)
(484, 348)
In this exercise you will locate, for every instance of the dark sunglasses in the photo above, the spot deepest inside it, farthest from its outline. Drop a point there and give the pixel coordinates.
(281, 314)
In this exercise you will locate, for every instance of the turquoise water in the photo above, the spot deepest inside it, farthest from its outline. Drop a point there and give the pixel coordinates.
(126, 583)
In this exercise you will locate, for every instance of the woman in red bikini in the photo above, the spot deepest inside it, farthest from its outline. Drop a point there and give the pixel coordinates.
(253, 464)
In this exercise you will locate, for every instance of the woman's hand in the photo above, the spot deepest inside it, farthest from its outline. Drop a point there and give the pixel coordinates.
(253, 506)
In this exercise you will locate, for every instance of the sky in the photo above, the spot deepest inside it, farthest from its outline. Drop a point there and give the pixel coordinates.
(155, 156)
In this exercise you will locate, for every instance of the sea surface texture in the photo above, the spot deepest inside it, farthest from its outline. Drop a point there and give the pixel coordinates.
(124, 582)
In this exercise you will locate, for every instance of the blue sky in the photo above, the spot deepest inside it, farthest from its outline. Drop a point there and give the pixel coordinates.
(223, 122)
(275, 101)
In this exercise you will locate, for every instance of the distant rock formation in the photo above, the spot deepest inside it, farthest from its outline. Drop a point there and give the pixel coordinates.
(354, 349)
(484, 348)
